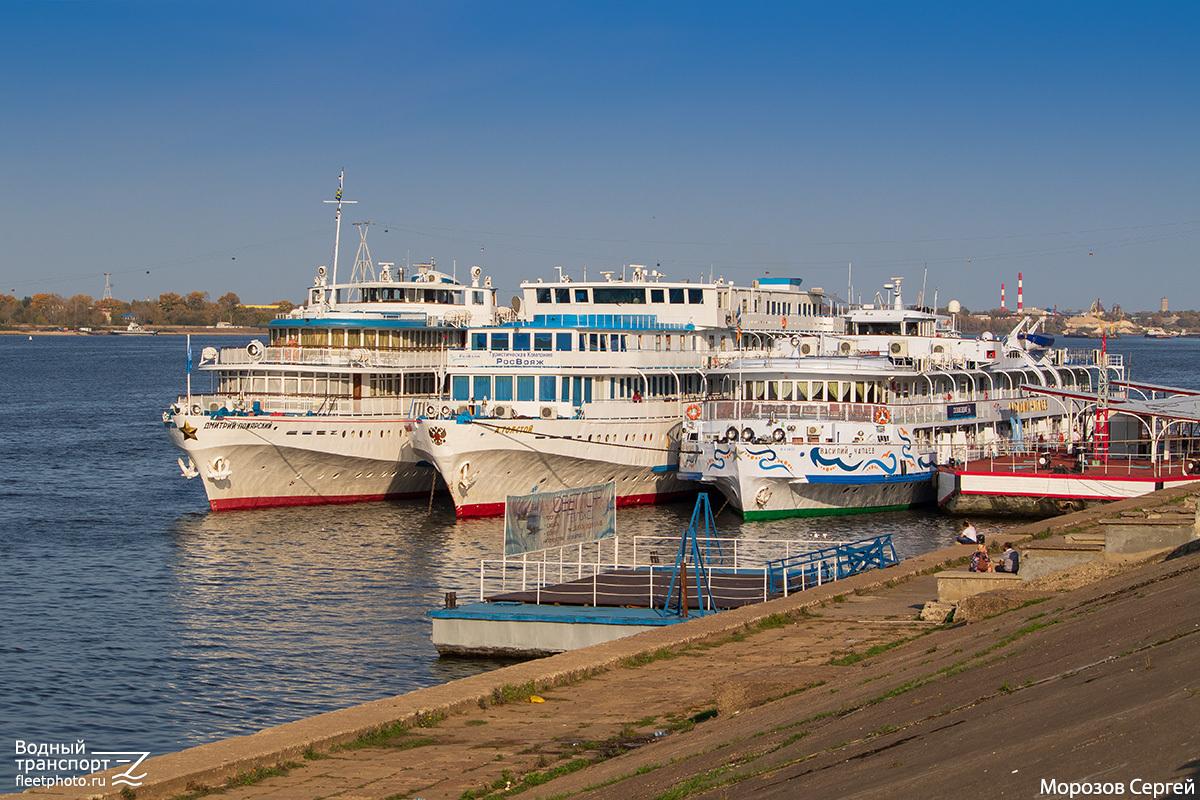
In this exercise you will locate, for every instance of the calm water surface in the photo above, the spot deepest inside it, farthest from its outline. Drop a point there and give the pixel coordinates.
(133, 618)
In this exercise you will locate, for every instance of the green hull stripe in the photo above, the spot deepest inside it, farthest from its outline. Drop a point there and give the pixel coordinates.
(781, 513)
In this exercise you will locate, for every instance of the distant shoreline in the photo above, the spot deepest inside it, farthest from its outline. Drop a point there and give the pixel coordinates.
(173, 331)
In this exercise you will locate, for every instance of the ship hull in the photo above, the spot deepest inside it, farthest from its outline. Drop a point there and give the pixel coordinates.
(484, 461)
(274, 461)
(1014, 493)
(772, 481)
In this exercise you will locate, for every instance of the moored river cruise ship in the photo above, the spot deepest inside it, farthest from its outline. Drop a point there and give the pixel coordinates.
(590, 385)
(858, 421)
(316, 414)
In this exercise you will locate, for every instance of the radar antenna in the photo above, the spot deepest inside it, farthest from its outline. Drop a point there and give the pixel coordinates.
(364, 270)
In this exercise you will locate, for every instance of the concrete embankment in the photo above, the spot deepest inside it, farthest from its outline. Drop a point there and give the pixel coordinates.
(1091, 674)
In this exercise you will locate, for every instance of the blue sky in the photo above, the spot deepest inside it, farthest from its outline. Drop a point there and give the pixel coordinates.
(188, 146)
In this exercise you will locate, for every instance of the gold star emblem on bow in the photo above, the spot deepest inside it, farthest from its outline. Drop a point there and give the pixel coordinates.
(189, 432)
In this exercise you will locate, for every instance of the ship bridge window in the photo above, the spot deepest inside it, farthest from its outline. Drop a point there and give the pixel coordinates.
(581, 295)
(479, 341)
(499, 341)
(460, 387)
(695, 296)
(520, 341)
(477, 298)
(543, 341)
(619, 294)
(564, 341)
(657, 296)
(675, 295)
(504, 388)
(562, 295)
(543, 294)
(524, 387)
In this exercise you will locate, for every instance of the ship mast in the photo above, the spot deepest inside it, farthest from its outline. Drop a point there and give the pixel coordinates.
(337, 235)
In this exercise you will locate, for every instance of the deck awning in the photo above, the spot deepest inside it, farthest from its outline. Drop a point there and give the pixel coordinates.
(1178, 404)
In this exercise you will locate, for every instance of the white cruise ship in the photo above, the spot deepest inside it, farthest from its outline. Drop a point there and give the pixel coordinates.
(858, 422)
(591, 384)
(316, 414)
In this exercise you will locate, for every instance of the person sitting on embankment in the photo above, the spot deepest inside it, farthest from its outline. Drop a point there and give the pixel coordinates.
(968, 534)
(1010, 560)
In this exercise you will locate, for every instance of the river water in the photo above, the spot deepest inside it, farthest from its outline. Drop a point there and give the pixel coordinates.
(133, 618)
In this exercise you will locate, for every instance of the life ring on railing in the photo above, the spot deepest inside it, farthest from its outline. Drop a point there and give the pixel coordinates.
(882, 416)
(693, 412)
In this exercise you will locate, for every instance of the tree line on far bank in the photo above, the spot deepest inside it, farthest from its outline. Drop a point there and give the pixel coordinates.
(84, 311)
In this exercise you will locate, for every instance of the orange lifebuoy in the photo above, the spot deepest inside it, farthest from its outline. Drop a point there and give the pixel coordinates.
(693, 412)
(882, 417)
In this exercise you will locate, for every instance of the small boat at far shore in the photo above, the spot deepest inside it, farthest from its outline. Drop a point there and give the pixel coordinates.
(134, 329)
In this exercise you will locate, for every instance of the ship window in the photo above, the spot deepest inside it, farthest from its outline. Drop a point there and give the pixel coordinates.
(801, 391)
(477, 298)
(785, 391)
(818, 390)
(546, 388)
(564, 342)
(543, 295)
(543, 341)
(499, 341)
(616, 294)
(695, 296)
(504, 388)
(616, 342)
(479, 341)
(483, 387)
(562, 295)
(520, 341)
(368, 338)
(524, 387)
(657, 296)
(462, 387)
(593, 341)
(772, 390)
(676, 295)
(581, 295)
(352, 337)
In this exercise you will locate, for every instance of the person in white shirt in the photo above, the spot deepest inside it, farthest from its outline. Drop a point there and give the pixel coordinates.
(968, 534)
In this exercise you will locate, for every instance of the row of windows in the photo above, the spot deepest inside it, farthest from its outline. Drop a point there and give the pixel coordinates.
(804, 391)
(323, 385)
(620, 294)
(369, 338)
(569, 388)
(594, 342)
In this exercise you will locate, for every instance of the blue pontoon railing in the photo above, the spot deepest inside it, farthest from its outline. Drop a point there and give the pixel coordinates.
(800, 572)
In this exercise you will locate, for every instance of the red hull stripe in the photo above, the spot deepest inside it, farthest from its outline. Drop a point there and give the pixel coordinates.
(1086, 476)
(242, 503)
(497, 509)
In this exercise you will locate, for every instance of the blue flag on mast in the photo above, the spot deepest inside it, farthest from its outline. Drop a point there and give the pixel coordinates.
(189, 369)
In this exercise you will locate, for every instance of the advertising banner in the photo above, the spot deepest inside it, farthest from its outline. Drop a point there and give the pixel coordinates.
(557, 519)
